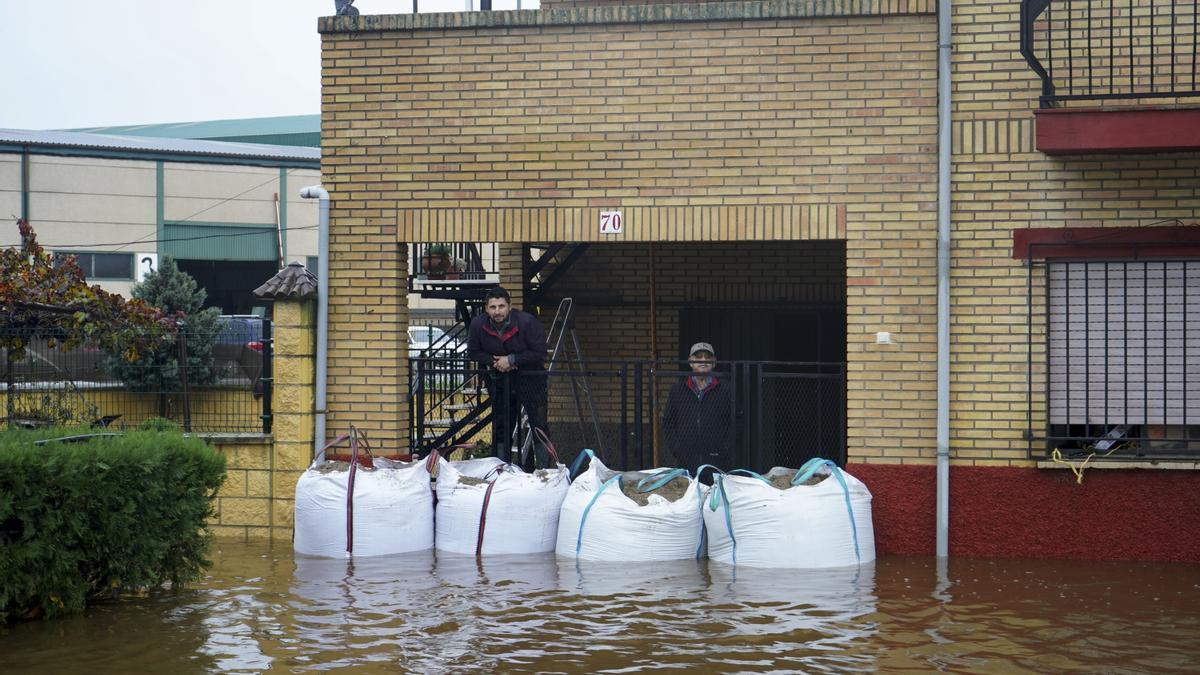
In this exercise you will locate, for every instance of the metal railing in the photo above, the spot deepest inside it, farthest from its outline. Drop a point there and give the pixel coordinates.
(1111, 49)
(452, 261)
(1114, 359)
(225, 388)
(783, 413)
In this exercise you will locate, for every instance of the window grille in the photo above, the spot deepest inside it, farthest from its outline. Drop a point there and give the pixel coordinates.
(1123, 357)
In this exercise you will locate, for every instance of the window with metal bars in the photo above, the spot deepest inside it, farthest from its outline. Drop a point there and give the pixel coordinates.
(1122, 346)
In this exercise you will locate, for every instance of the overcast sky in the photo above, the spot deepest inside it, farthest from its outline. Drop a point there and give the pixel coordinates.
(85, 63)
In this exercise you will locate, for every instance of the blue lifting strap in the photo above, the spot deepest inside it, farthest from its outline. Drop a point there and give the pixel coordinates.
(658, 480)
(719, 489)
(583, 520)
(810, 467)
(586, 452)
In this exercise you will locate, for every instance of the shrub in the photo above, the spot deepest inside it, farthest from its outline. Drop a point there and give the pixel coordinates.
(157, 424)
(175, 293)
(82, 521)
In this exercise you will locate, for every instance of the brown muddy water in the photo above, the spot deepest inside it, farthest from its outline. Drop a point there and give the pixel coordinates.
(263, 609)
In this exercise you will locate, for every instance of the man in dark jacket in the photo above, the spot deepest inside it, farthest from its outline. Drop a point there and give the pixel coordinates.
(510, 345)
(698, 419)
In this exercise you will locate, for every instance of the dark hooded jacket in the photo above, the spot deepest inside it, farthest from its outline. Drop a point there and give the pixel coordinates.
(699, 425)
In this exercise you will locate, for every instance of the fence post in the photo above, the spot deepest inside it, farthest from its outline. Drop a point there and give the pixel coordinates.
(416, 371)
(183, 380)
(624, 411)
(267, 376)
(842, 426)
(637, 416)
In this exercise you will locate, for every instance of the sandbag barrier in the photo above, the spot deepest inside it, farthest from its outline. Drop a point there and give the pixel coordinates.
(622, 530)
(381, 507)
(375, 506)
(803, 526)
(490, 507)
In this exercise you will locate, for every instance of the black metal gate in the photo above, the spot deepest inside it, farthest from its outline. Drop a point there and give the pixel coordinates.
(784, 412)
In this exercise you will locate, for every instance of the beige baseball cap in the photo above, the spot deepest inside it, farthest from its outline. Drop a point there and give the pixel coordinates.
(701, 347)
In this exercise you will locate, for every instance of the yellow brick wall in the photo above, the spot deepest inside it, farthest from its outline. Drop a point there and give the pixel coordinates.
(258, 498)
(702, 117)
(293, 420)
(1001, 183)
(510, 259)
(368, 303)
(244, 504)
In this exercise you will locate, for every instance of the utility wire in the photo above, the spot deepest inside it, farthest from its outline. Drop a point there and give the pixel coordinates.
(260, 232)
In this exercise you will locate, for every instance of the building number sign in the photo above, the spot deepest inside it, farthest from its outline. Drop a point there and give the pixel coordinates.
(611, 222)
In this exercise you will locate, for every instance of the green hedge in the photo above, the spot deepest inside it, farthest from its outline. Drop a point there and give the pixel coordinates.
(87, 520)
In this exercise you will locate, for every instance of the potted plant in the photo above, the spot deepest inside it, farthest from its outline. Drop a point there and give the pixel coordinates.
(435, 260)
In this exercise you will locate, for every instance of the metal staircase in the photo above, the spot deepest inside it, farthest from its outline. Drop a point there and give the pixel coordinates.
(449, 404)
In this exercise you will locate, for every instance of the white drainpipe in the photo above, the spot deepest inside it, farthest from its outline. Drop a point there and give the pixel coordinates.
(943, 283)
(318, 192)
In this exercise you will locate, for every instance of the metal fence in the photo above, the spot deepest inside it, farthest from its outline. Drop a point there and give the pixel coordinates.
(224, 388)
(1112, 49)
(782, 413)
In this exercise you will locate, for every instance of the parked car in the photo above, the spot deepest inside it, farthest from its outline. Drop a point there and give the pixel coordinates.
(239, 346)
(46, 363)
(439, 374)
(237, 354)
(420, 338)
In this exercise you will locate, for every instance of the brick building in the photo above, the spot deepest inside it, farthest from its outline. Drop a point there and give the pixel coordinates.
(776, 167)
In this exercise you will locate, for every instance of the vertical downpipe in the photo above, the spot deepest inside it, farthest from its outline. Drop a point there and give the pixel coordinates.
(317, 192)
(943, 283)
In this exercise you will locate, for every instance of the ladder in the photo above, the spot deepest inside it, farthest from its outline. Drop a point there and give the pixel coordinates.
(562, 328)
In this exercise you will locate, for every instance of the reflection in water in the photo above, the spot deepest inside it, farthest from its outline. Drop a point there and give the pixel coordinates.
(261, 608)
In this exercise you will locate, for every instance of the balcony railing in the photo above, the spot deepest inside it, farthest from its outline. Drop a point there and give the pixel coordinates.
(1111, 49)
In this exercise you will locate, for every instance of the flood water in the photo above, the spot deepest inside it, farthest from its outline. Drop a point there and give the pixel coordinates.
(261, 608)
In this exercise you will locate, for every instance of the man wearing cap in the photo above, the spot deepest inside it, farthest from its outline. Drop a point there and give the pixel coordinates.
(698, 419)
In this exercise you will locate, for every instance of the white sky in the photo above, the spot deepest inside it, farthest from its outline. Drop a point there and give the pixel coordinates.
(85, 63)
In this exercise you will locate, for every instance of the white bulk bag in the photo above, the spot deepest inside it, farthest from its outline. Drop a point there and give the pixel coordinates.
(598, 522)
(389, 511)
(755, 524)
(521, 513)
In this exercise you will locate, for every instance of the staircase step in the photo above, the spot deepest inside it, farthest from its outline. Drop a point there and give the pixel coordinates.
(443, 424)
(459, 406)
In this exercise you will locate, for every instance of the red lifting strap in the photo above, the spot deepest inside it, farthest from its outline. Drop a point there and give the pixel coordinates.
(487, 499)
(350, 491)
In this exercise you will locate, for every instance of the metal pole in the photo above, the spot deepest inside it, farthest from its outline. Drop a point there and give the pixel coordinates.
(187, 407)
(317, 192)
(653, 356)
(943, 281)
(624, 411)
(637, 414)
(267, 376)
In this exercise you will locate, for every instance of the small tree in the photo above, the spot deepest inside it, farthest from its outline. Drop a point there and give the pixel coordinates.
(176, 294)
(44, 297)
